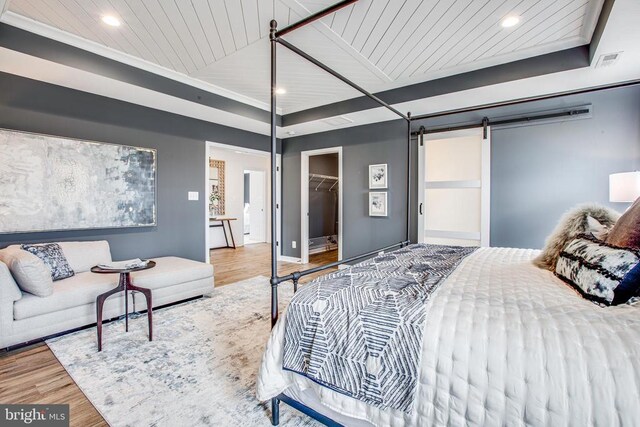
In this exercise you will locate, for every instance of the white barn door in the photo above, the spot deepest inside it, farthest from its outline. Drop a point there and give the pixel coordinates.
(454, 180)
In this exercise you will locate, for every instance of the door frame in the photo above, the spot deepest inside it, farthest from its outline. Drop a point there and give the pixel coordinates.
(485, 188)
(213, 145)
(265, 190)
(304, 199)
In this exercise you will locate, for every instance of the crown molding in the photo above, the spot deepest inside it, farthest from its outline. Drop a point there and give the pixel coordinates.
(44, 30)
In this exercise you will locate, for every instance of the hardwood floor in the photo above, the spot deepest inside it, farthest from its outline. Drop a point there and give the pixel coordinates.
(233, 265)
(34, 375)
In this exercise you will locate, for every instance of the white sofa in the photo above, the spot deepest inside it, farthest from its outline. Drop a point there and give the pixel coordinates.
(25, 317)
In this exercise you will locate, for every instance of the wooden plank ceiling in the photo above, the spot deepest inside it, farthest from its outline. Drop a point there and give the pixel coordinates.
(379, 43)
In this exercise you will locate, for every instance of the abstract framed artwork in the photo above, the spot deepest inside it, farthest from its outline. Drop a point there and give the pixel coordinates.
(50, 183)
(377, 203)
(378, 176)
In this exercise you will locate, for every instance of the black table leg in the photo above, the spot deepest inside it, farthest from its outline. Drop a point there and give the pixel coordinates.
(126, 302)
(124, 285)
(231, 233)
(100, 305)
(224, 230)
(147, 295)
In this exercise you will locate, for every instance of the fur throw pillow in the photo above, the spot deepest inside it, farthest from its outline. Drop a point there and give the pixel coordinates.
(572, 224)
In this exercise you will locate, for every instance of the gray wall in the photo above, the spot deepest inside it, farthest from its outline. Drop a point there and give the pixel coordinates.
(361, 146)
(43, 108)
(323, 204)
(538, 171)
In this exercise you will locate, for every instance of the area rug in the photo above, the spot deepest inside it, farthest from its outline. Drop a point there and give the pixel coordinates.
(200, 369)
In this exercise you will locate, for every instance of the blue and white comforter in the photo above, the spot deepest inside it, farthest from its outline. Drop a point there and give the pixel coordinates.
(359, 331)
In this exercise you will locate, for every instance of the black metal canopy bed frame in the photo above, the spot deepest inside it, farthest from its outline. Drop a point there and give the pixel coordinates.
(276, 37)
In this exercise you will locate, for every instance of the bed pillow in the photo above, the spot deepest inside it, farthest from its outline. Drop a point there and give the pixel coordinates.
(600, 272)
(572, 224)
(626, 232)
(53, 257)
(30, 272)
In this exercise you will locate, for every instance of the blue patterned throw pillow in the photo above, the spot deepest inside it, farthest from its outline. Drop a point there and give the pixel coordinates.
(51, 254)
(600, 272)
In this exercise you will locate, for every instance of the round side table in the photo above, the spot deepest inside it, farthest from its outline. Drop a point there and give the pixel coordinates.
(124, 285)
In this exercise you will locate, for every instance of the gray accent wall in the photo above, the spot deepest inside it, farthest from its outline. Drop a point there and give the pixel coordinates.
(361, 146)
(538, 171)
(180, 142)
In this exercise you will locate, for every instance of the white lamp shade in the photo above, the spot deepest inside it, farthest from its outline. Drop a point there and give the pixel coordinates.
(624, 187)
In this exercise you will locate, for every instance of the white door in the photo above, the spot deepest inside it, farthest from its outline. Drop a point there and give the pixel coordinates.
(454, 188)
(257, 187)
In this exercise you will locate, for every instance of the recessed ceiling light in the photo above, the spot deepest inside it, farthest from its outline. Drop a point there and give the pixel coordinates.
(111, 20)
(510, 21)
(291, 132)
(238, 152)
(280, 91)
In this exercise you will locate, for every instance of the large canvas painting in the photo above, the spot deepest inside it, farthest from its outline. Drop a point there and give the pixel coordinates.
(51, 183)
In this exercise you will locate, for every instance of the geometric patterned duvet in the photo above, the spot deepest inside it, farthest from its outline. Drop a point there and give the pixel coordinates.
(505, 344)
(359, 330)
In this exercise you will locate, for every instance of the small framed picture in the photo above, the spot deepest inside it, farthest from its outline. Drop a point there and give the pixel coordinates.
(378, 176)
(377, 203)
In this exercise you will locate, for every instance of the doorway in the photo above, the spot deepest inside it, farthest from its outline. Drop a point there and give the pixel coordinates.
(237, 161)
(321, 203)
(454, 188)
(255, 205)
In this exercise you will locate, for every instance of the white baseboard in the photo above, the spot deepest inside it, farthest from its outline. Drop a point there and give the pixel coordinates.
(289, 259)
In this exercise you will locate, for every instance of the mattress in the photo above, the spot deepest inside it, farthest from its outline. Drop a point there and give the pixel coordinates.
(505, 343)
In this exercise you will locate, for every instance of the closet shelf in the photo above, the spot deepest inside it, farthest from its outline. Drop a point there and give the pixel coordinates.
(322, 179)
(325, 177)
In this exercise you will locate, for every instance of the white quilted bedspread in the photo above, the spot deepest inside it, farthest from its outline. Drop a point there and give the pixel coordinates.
(505, 344)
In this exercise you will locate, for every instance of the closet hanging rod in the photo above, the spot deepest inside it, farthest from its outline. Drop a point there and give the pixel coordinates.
(319, 176)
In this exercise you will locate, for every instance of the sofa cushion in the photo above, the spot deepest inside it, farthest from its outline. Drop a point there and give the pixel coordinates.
(171, 271)
(51, 254)
(30, 272)
(83, 288)
(84, 255)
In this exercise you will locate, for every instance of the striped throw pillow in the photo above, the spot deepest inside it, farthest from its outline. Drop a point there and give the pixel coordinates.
(600, 272)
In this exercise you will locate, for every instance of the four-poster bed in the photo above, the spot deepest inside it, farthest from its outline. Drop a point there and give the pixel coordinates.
(479, 273)
(275, 37)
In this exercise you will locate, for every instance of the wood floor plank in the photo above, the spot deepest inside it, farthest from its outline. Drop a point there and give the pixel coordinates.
(34, 375)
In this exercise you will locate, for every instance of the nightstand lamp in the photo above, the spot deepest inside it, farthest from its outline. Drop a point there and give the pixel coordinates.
(624, 187)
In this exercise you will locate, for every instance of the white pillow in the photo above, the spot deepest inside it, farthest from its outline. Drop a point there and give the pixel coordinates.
(30, 272)
(81, 256)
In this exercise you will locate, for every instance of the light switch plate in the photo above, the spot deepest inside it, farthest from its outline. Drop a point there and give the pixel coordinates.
(193, 195)
(293, 244)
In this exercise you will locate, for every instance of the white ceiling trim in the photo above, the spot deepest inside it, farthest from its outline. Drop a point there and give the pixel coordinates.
(4, 5)
(35, 68)
(45, 30)
(338, 40)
